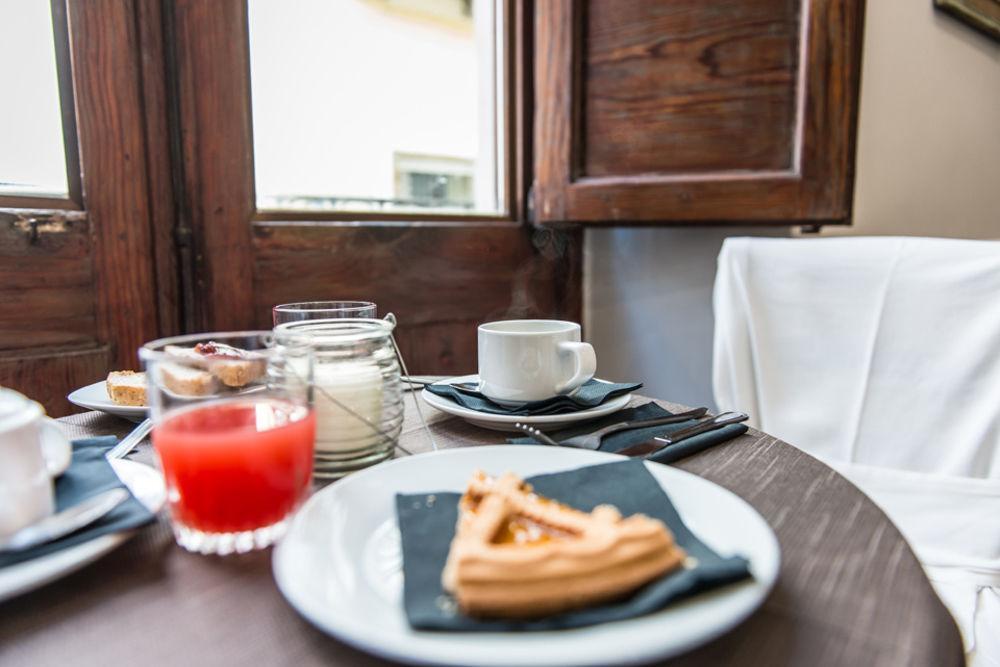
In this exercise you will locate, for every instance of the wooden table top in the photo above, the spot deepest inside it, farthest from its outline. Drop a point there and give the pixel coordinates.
(850, 591)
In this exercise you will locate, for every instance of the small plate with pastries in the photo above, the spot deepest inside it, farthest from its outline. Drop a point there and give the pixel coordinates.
(526, 555)
(220, 368)
(122, 394)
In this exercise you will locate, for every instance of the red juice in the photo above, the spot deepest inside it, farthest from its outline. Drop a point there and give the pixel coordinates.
(236, 465)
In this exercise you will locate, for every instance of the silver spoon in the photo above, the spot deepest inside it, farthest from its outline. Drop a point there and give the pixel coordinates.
(469, 387)
(65, 522)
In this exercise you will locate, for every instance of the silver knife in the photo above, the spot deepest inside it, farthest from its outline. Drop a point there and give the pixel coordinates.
(658, 444)
(65, 522)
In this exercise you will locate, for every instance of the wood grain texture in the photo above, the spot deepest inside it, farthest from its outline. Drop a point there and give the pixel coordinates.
(440, 281)
(46, 283)
(687, 87)
(9, 202)
(213, 83)
(556, 93)
(21, 369)
(107, 81)
(850, 591)
(662, 112)
(155, 104)
(77, 285)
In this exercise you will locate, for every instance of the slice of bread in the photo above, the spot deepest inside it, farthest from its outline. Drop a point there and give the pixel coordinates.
(187, 381)
(127, 388)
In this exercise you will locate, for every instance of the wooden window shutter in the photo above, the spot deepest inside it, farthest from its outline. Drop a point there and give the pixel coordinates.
(696, 111)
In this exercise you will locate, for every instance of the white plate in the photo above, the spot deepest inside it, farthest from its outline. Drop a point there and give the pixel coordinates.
(340, 566)
(95, 397)
(145, 483)
(506, 422)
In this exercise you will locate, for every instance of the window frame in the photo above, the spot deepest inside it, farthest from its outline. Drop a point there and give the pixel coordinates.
(517, 36)
(40, 205)
(242, 261)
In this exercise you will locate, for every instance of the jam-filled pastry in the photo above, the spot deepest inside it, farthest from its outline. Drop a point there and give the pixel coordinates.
(233, 366)
(518, 555)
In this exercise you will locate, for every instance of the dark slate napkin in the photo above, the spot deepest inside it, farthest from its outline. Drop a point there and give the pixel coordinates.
(88, 474)
(590, 395)
(427, 525)
(619, 441)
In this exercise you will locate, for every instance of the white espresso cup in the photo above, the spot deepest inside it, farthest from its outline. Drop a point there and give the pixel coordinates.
(26, 493)
(532, 360)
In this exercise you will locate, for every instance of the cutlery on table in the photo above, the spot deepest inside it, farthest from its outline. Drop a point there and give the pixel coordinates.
(130, 441)
(65, 522)
(656, 445)
(468, 387)
(593, 440)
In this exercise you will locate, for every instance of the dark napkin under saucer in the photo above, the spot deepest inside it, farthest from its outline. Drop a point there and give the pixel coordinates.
(427, 525)
(590, 395)
(618, 441)
(88, 474)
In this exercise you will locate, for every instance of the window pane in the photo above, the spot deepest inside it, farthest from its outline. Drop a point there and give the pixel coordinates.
(377, 105)
(32, 159)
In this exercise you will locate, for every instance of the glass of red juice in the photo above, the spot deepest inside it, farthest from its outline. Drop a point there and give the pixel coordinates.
(234, 434)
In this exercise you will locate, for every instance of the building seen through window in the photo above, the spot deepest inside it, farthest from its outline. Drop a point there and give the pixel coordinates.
(32, 158)
(378, 105)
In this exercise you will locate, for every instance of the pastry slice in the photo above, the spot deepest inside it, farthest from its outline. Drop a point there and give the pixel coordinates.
(233, 366)
(127, 388)
(184, 380)
(518, 555)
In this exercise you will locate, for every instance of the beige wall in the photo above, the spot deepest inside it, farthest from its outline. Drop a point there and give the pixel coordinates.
(928, 164)
(928, 160)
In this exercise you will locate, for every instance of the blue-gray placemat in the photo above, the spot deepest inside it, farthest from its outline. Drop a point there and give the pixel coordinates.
(427, 525)
(590, 395)
(618, 441)
(89, 473)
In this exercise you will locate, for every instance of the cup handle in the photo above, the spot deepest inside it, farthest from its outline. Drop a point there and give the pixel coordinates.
(586, 365)
(56, 448)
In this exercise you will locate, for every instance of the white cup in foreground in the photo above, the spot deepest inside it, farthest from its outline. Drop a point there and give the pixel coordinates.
(532, 360)
(26, 493)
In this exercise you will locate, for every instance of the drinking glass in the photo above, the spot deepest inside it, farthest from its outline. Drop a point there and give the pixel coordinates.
(323, 310)
(234, 434)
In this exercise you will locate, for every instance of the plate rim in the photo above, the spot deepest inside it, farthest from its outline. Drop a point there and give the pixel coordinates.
(765, 584)
(108, 407)
(59, 564)
(451, 407)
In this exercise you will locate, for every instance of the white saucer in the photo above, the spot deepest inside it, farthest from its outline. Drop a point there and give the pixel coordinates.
(95, 397)
(340, 566)
(506, 422)
(145, 483)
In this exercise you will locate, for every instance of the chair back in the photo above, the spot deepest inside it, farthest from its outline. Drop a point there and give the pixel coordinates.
(880, 351)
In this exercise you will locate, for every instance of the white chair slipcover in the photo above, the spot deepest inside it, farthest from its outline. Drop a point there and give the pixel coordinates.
(881, 356)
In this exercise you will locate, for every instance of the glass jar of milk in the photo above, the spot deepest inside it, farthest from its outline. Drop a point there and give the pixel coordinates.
(355, 390)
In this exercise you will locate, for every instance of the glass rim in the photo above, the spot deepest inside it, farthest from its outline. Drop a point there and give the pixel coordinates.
(154, 349)
(319, 306)
(338, 329)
